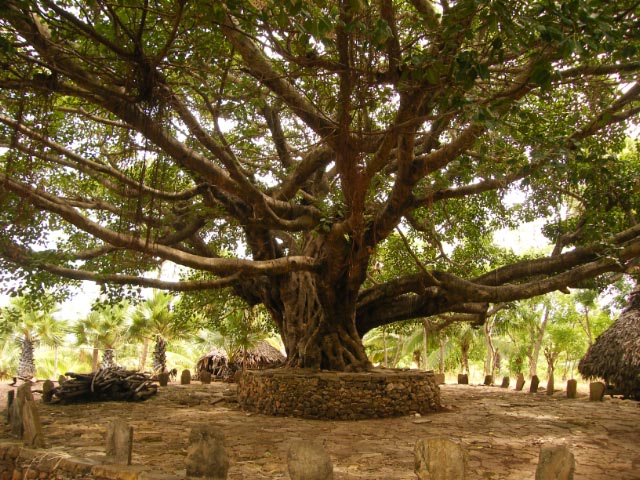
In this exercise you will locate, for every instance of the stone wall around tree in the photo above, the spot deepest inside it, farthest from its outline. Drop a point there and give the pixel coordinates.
(380, 393)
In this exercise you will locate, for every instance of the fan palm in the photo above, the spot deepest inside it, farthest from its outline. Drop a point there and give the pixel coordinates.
(104, 328)
(32, 325)
(154, 319)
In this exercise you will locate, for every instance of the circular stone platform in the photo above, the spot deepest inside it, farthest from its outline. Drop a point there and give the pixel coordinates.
(379, 393)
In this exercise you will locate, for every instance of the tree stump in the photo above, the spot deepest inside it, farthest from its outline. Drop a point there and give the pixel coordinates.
(185, 378)
(488, 380)
(463, 379)
(505, 382)
(520, 382)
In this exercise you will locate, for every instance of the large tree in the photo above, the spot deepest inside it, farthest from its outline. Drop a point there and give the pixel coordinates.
(273, 147)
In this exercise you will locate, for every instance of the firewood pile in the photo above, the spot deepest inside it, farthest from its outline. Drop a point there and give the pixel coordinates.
(106, 384)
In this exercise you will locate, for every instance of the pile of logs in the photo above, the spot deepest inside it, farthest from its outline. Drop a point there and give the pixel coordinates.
(105, 384)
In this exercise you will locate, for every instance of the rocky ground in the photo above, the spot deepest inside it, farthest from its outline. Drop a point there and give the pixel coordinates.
(502, 430)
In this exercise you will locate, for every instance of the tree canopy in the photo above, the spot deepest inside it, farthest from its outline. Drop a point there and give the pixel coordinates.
(277, 148)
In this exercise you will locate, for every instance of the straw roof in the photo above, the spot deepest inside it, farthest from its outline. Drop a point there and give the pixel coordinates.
(263, 355)
(615, 355)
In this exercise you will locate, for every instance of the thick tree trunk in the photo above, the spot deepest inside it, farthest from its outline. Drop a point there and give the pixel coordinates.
(27, 365)
(160, 355)
(318, 326)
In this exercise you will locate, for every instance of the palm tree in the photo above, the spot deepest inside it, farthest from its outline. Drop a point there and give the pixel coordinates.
(104, 328)
(154, 319)
(32, 325)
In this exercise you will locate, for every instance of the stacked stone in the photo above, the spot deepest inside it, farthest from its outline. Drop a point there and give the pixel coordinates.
(340, 396)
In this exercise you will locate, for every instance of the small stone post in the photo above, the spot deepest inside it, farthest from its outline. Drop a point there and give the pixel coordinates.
(596, 391)
(185, 378)
(505, 382)
(15, 409)
(205, 377)
(11, 396)
(163, 379)
(488, 380)
(440, 459)
(309, 461)
(555, 463)
(550, 383)
(119, 443)
(206, 455)
(31, 427)
(47, 391)
(535, 381)
(520, 382)
(463, 379)
(572, 388)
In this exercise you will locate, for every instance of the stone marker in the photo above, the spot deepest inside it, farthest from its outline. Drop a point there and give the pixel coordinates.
(555, 463)
(550, 383)
(488, 380)
(440, 459)
(205, 377)
(119, 442)
(11, 396)
(32, 428)
(185, 378)
(535, 381)
(505, 382)
(572, 388)
(206, 455)
(309, 461)
(439, 378)
(463, 379)
(47, 391)
(163, 379)
(15, 409)
(520, 382)
(596, 391)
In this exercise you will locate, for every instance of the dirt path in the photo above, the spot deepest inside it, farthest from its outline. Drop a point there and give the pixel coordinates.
(502, 430)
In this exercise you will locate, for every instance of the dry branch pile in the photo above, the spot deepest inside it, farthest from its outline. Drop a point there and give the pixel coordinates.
(106, 384)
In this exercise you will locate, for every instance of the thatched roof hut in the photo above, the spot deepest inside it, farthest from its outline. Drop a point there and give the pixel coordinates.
(615, 355)
(263, 355)
(214, 362)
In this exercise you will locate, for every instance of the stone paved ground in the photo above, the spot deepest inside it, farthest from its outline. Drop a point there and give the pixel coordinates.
(503, 431)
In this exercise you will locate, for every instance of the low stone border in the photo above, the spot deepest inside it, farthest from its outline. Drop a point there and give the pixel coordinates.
(379, 393)
(17, 462)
